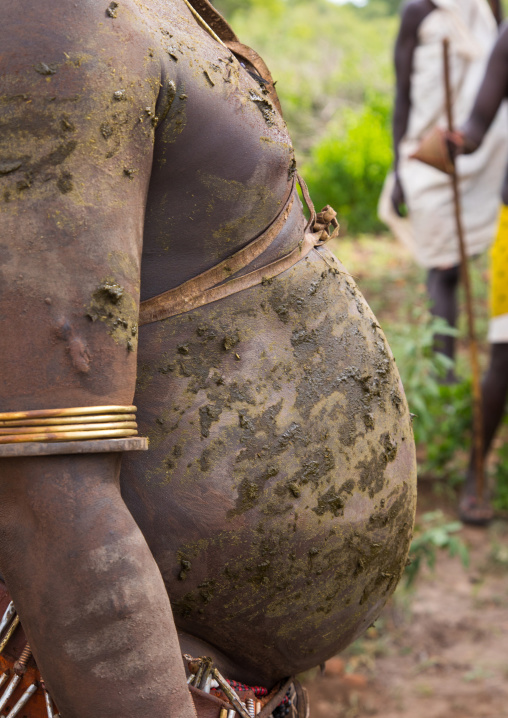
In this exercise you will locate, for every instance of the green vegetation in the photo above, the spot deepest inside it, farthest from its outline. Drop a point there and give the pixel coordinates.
(348, 165)
(501, 475)
(443, 412)
(434, 533)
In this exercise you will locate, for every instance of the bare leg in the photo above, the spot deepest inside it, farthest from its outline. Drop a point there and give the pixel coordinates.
(494, 394)
(442, 288)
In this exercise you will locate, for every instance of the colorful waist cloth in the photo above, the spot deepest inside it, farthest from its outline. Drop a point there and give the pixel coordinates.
(218, 697)
(24, 695)
(498, 329)
(22, 690)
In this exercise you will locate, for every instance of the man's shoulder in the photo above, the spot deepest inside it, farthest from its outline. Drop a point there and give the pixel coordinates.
(62, 20)
(75, 45)
(415, 11)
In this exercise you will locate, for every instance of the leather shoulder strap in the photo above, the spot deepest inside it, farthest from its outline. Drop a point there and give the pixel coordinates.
(218, 282)
(193, 292)
(257, 62)
(213, 17)
(225, 32)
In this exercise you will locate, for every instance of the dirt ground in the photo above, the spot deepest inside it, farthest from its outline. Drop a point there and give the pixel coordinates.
(439, 650)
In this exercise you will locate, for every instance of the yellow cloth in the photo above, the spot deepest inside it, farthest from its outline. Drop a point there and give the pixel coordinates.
(499, 267)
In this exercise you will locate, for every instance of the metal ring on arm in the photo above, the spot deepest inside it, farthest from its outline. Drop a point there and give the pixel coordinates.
(74, 430)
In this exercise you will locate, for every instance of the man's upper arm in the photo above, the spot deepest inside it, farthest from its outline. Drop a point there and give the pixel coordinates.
(407, 39)
(492, 92)
(497, 9)
(78, 90)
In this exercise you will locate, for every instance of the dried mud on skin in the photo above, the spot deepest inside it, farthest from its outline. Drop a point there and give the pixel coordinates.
(300, 448)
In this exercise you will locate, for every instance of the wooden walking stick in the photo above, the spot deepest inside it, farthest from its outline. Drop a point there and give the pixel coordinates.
(473, 344)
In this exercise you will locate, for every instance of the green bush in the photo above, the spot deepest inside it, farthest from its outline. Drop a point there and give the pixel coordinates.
(452, 415)
(443, 412)
(434, 533)
(348, 165)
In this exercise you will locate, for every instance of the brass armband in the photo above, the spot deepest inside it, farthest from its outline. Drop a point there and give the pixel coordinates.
(78, 430)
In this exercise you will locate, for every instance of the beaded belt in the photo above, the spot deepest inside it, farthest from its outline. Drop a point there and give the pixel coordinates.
(232, 699)
(24, 695)
(22, 690)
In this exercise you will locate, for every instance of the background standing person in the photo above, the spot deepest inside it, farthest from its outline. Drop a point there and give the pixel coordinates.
(469, 141)
(430, 230)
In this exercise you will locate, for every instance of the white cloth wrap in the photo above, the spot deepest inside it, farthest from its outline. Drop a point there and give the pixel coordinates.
(430, 230)
(498, 329)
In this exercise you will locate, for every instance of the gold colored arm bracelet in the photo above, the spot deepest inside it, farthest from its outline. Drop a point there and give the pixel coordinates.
(88, 429)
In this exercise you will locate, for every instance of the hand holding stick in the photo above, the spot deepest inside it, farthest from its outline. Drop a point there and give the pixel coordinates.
(473, 344)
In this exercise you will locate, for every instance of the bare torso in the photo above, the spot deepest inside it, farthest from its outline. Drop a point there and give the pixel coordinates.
(278, 493)
(265, 410)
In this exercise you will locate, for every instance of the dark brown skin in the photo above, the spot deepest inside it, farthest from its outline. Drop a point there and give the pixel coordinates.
(278, 494)
(81, 574)
(492, 92)
(494, 394)
(245, 448)
(413, 14)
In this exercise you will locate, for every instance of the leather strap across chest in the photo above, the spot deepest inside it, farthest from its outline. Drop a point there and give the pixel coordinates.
(219, 281)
